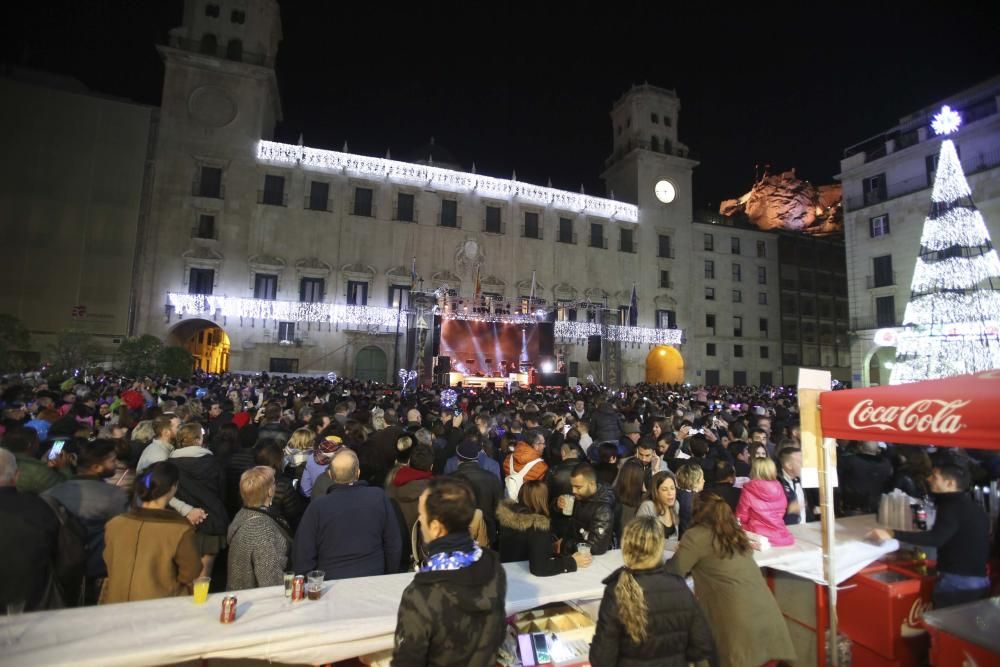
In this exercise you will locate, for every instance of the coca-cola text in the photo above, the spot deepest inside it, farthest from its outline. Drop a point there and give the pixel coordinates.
(928, 415)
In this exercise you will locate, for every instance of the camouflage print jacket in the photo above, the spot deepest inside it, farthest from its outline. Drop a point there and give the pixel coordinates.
(453, 618)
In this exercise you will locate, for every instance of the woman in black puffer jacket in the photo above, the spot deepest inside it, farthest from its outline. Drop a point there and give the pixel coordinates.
(525, 533)
(288, 503)
(648, 617)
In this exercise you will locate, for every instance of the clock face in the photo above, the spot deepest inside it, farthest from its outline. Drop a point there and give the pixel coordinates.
(665, 191)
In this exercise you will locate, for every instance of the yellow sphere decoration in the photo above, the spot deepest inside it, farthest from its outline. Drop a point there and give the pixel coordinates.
(664, 364)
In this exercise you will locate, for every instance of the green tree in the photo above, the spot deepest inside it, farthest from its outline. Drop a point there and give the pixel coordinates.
(71, 349)
(138, 357)
(14, 338)
(175, 362)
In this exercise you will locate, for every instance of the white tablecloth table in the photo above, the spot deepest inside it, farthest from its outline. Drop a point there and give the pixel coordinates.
(354, 617)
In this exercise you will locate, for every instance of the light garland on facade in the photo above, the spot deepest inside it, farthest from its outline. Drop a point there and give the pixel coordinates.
(960, 226)
(499, 318)
(620, 334)
(445, 179)
(949, 182)
(282, 311)
(954, 272)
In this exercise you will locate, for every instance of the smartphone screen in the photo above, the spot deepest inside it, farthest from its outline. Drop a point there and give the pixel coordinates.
(541, 648)
(56, 450)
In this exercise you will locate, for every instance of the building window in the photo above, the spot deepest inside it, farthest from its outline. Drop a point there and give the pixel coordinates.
(449, 213)
(712, 378)
(493, 221)
(286, 331)
(201, 281)
(654, 143)
(404, 207)
(319, 196)
(709, 294)
(761, 275)
(210, 183)
(883, 271)
(283, 365)
(597, 235)
(206, 227)
(762, 325)
(874, 189)
(737, 296)
(740, 378)
(761, 298)
(709, 349)
(878, 226)
(234, 50)
(399, 296)
(531, 228)
(765, 352)
(709, 242)
(666, 319)
(564, 313)
(737, 273)
(238, 16)
(209, 44)
(654, 118)
(664, 279)
(664, 246)
(311, 290)
(766, 379)
(931, 163)
(274, 190)
(738, 326)
(710, 323)
(212, 11)
(625, 241)
(566, 231)
(363, 202)
(734, 245)
(761, 249)
(265, 286)
(623, 312)
(357, 292)
(885, 311)
(738, 351)
(709, 269)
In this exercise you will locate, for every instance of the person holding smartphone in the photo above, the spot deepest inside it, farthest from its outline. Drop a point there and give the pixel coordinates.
(34, 476)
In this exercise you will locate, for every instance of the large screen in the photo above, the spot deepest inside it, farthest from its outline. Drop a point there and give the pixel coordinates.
(494, 348)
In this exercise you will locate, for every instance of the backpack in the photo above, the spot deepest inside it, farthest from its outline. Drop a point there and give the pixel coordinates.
(515, 480)
(70, 563)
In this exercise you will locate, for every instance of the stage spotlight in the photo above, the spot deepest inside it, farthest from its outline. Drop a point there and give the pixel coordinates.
(548, 366)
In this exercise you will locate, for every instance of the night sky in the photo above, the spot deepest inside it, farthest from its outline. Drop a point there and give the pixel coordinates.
(519, 87)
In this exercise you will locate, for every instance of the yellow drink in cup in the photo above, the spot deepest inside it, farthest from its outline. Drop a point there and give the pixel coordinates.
(201, 589)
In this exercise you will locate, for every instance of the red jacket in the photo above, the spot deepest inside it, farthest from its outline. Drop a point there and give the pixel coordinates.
(523, 455)
(761, 510)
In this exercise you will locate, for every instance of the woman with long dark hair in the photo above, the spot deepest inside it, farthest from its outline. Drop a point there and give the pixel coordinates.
(628, 495)
(731, 589)
(525, 533)
(647, 616)
(662, 504)
(150, 551)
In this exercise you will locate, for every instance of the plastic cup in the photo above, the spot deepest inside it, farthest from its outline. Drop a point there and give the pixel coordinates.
(289, 581)
(583, 548)
(314, 584)
(201, 589)
(567, 508)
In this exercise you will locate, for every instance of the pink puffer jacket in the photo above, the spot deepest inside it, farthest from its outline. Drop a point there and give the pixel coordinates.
(761, 510)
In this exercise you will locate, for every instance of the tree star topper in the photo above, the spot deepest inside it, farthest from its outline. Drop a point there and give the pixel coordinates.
(946, 122)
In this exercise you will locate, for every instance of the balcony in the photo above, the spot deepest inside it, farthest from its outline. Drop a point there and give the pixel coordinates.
(598, 243)
(669, 254)
(498, 228)
(317, 204)
(874, 322)
(205, 233)
(198, 190)
(272, 198)
(361, 213)
(567, 238)
(873, 282)
(626, 247)
(453, 222)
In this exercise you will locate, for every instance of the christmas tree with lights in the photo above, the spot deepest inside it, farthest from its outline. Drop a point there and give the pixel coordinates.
(952, 321)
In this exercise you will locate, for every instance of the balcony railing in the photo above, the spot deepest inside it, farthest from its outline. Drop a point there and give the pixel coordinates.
(598, 243)
(971, 164)
(412, 212)
(198, 232)
(567, 238)
(872, 283)
(211, 193)
(669, 254)
(271, 198)
(362, 214)
(314, 204)
(451, 223)
(626, 247)
(535, 233)
(499, 228)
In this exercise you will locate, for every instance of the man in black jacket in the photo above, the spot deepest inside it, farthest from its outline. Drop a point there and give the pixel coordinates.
(960, 534)
(452, 613)
(485, 485)
(606, 423)
(593, 512)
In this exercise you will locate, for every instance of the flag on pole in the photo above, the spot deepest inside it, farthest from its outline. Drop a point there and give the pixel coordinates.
(633, 309)
(413, 274)
(477, 285)
(531, 296)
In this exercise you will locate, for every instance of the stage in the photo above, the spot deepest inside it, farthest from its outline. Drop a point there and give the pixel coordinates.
(480, 381)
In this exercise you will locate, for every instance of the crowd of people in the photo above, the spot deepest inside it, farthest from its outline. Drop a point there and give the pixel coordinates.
(115, 489)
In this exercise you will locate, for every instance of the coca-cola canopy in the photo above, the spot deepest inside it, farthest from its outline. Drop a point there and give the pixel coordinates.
(959, 411)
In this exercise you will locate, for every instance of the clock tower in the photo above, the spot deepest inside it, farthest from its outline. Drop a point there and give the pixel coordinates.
(649, 167)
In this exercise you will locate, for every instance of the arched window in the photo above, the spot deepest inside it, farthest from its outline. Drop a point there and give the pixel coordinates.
(234, 50)
(209, 44)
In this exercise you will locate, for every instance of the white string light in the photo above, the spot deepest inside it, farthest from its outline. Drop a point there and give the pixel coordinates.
(951, 306)
(445, 179)
(620, 334)
(954, 272)
(949, 180)
(283, 311)
(959, 226)
(946, 121)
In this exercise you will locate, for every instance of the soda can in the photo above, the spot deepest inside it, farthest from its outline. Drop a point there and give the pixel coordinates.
(299, 588)
(228, 612)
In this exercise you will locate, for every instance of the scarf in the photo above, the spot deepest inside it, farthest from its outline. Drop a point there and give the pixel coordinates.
(452, 552)
(325, 449)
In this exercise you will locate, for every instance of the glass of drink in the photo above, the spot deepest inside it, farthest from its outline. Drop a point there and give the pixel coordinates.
(201, 589)
(583, 548)
(289, 581)
(567, 508)
(314, 584)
